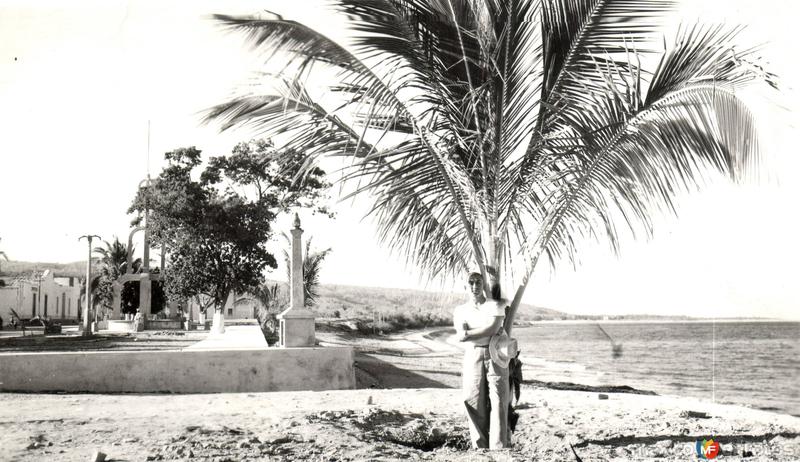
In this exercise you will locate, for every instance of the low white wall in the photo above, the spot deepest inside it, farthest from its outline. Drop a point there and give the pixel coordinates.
(186, 371)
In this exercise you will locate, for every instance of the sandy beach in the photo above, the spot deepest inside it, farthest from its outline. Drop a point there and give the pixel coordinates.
(406, 407)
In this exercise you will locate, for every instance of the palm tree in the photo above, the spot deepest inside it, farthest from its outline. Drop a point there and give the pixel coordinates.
(491, 134)
(268, 296)
(113, 259)
(113, 262)
(312, 265)
(3, 255)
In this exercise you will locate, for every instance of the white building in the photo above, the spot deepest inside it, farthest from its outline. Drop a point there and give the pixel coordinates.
(238, 306)
(42, 294)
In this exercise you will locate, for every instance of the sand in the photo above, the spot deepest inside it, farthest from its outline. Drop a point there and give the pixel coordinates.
(413, 412)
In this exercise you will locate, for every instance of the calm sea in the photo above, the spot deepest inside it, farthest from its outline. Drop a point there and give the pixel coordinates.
(751, 363)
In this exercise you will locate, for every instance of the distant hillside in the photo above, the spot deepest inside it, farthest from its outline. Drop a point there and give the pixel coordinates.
(18, 268)
(363, 302)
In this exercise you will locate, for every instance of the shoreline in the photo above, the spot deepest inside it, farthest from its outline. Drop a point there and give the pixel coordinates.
(536, 368)
(407, 407)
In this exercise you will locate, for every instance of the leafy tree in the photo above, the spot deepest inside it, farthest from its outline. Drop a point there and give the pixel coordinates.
(491, 134)
(216, 227)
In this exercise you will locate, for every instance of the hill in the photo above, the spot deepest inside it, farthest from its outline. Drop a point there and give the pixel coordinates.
(18, 268)
(356, 302)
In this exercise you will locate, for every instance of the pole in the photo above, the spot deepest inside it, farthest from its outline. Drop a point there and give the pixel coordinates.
(87, 331)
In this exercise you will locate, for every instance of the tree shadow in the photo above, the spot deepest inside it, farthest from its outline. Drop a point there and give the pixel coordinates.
(372, 372)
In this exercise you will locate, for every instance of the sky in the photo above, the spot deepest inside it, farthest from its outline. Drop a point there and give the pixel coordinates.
(79, 83)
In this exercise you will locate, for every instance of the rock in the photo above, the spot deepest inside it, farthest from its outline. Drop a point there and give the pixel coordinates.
(98, 457)
(665, 444)
(282, 440)
(746, 453)
(243, 444)
(621, 452)
(694, 415)
(130, 440)
(369, 399)
(602, 396)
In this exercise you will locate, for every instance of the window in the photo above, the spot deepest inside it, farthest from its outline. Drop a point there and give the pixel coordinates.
(45, 305)
(230, 311)
(34, 306)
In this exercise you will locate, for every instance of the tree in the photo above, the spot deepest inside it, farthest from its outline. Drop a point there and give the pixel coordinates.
(271, 303)
(490, 134)
(217, 226)
(113, 263)
(3, 255)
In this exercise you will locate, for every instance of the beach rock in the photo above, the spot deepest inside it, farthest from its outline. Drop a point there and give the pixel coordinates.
(98, 457)
(602, 396)
(665, 444)
(281, 440)
(621, 452)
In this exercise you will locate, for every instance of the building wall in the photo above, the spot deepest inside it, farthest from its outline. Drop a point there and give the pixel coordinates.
(236, 307)
(51, 298)
(8, 300)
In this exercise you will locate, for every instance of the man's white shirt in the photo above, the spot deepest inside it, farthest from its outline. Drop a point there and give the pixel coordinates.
(476, 316)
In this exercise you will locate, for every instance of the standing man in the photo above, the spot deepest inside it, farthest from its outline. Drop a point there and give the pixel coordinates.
(485, 383)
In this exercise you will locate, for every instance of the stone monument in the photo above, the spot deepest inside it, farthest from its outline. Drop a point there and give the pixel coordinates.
(297, 322)
(145, 277)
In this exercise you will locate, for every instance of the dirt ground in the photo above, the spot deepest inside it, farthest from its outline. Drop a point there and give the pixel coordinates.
(407, 409)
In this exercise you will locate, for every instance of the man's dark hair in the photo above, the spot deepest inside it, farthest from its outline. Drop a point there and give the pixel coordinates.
(473, 276)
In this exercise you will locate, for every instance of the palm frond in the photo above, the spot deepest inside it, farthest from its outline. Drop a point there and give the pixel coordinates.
(486, 132)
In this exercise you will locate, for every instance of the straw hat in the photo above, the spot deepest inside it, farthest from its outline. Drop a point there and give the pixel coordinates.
(502, 348)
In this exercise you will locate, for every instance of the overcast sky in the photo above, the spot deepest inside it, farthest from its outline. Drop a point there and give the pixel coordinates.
(78, 84)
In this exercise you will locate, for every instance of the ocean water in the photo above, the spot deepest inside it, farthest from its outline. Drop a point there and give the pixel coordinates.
(752, 363)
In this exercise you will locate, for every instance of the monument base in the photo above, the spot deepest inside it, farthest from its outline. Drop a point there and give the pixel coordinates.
(120, 325)
(297, 328)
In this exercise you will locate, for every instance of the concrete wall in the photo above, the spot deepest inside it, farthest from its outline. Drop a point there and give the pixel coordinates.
(187, 371)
